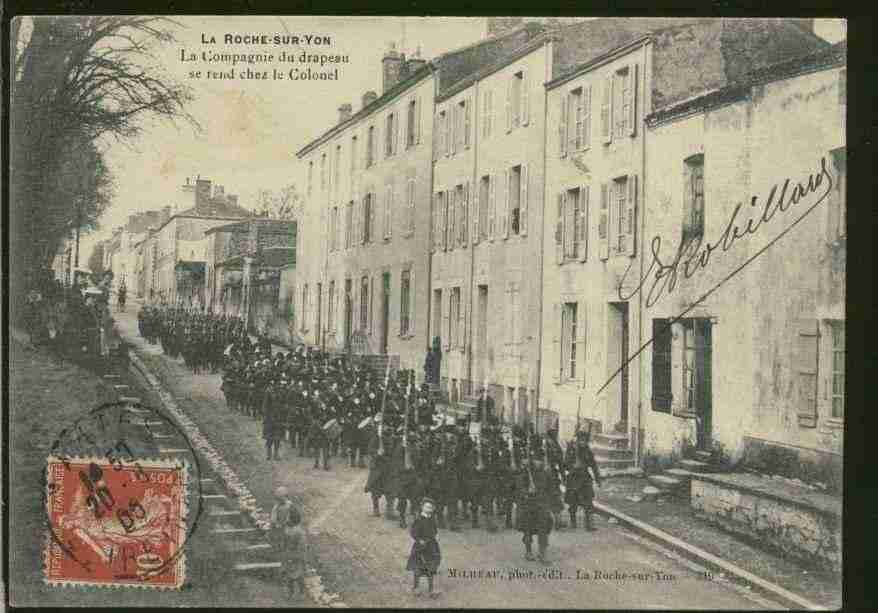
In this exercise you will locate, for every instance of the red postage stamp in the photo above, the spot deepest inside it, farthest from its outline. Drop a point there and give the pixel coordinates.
(115, 524)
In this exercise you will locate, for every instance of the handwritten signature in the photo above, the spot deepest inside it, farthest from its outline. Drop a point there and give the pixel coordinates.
(691, 258)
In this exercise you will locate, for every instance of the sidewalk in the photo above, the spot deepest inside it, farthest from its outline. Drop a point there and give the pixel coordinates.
(676, 518)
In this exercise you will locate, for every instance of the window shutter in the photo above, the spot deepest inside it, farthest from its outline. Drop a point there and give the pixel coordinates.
(509, 105)
(805, 360)
(396, 122)
(586, 117)
(468, 138)
(581, 339)
(631, 217)
(446, 327)
(405, 125)
(570, 220)
(379, 143)
(372, 227)
(559, 229)
(582, 239)
(522, 204)
(562, 126)
(604, 224)
(455, 118)
(446, 130)
(492, 206)
(451, 196)
(371, 301)
(476, 212)
(388, 212)
(412, 294)
(556, 343)
(580, 114)
(606, 110)
(437, 137)
(504, 219)
(417, 120)
(464, 220)
(525, 100)
(461, 321)
(632, 102)
(446, 213)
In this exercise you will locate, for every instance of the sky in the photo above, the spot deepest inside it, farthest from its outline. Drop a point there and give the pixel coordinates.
(252, 128)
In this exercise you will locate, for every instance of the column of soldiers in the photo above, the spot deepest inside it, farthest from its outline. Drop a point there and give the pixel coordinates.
(478, 470)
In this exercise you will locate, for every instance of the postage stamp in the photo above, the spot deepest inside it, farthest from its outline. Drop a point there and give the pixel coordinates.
(116, 523)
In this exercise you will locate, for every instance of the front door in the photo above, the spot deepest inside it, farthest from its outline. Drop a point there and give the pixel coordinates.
(385, 311)
(697, 378)
(623, 408)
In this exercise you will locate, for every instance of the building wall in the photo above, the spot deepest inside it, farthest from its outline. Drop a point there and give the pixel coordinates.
(592, 282)
(401, 251)
(496, 342)
(782, 130)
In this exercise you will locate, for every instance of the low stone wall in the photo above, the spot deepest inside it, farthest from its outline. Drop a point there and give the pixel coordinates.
(801, 525)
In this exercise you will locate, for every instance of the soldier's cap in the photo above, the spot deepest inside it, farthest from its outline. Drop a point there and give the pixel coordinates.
(281, 492)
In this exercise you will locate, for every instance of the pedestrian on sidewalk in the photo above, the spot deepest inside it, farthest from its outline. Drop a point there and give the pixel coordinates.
(425, 555)
(291, 540)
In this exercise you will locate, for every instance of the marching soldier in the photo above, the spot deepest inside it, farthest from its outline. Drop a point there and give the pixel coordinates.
(534, 516)
(272, 424)
(378, 481)
(581, 465)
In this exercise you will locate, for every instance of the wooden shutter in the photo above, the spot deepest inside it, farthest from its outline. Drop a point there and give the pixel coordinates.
(504, 219)
(446, 312)
(805, 361)
(509, 104)
(569, 224)
(418, 120)
(607, 110)
(412, 294)
(477, 212)
(559, 228)
(372, 228)
(582, 239)
(586, 117)
(461, 321)
(556, 343)
(632, 100)
(437, 136)
(396, 122)
(388, 213)
(581, 338)
(464, 221)
(631, 217)
(405, 124)
(525, 100)
(446, 129)
(662, 388)
(467, 133)
(604, 224)
(522, 202)
(371, 302)
(446, 217)
(562, 125)
(451, 198)
(492, 206)
(455, 128)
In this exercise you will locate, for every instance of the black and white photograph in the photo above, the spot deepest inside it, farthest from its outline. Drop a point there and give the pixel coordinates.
(426, 312)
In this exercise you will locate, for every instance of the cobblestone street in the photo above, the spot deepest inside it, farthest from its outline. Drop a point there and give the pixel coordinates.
(363, 558)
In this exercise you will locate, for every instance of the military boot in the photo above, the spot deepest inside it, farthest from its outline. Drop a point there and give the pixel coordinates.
(528, 550)
(388, 508)
(589, 525)
(475, 512)
(573, 519)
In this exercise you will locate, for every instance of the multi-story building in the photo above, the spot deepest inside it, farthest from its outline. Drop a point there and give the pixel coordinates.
(363, 284)
(747, 184)
(176, 252)
(601, 162)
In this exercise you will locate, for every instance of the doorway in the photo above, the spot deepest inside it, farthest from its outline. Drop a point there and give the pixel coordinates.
(617, 354)
(697, 378)
(481, 338)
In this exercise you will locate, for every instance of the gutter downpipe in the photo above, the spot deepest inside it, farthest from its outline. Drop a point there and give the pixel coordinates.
(542, 257)
(474, 126)
(430, 238)
(647, 108)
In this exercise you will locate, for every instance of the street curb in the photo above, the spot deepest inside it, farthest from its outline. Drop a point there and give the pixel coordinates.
(313, 581)
(785, 597)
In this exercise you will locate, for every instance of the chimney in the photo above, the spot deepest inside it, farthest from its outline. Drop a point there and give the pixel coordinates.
(232, 199)
(202, 191)
(415, 63)
(391, 64)
(501, 25)
(369, 97)
(344, 112)
(218, 191)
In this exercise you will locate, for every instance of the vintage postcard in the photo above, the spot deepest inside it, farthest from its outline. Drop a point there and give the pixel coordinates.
(426, 312)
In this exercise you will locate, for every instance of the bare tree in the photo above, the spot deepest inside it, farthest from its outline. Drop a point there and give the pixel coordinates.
(285, 203)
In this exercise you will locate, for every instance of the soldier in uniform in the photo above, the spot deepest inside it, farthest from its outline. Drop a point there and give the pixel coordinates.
(534, 516)
(272, 421)
(581, 464)
(378, 481)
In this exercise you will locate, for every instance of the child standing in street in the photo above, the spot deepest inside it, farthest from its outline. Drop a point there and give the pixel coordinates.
(425, 555)
(291, 540)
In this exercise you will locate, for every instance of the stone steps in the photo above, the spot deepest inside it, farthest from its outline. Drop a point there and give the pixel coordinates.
(696, 466)
(612, 439)
(606, 451)
(605, 464)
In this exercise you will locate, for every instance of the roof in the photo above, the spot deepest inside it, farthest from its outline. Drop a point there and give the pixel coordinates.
(452, 67)
(215, 208)
(282, 225)
(833, 57)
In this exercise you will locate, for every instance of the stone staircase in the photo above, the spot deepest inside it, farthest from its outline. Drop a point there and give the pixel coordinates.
(675, 481)
(612, 453)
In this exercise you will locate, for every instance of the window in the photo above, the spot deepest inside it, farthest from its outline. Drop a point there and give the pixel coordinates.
(622, 104)
(353, 157)
(693, 198)
(323, 171)
(404, 299)
(620, 211)
(836, 328)
(454, 318)
(333, 229)
(579, 109)
(451, 205)
(410, 200)
(838, 201)
(462, 214)
(370, 146)
(441, 130)
(349, 225)
(310, 177)
(364, 303)
(568, 340)
(662, 394)
(696, 364)
(411, 116)
(437, 221)
(466, 123)
(437, 313)
(514, 195)
(516, 102)
(388, 212)
(484, 206)
(390, 135)
(487, 113)
(337, 169)
(573, 223)
(330, 320)
(368, 214)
